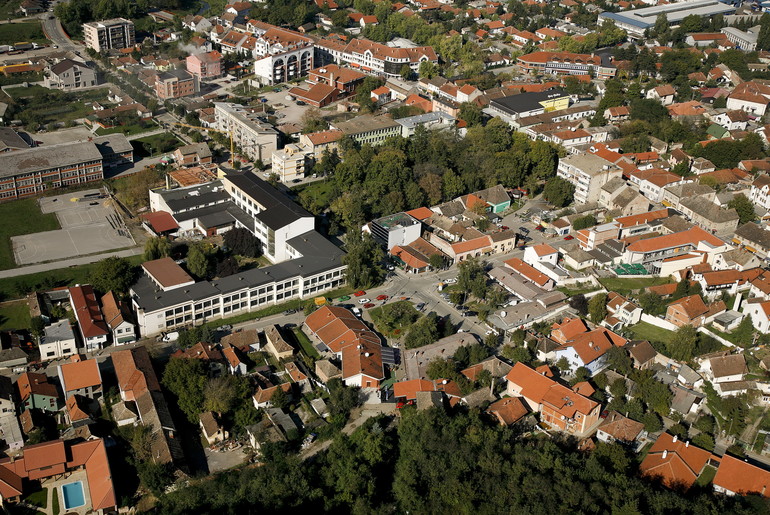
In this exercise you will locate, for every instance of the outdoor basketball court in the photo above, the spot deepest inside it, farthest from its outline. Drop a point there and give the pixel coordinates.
(89, 225)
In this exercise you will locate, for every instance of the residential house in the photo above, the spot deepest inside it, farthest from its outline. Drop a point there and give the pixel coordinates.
(176, 84)
(80, 377)
(689, 310)
(617, 428)
(508, 411)
(709, 216)
(276, 344)
(728, 368)
(754, 238)
(759, 194)
(559, 407)
(37, 392)
(207, 65)
(643, 354)
(119, 319)
(58, 341)
(665, 94)
(208, 353)
(738, 477)
(93, 329)
(70, 75)
(140, 389)
(326, 370)
(675, 462)
(235, 361)
(588, 173)
(212, 430)
(588, 349)
(751, 97)
(621, 311)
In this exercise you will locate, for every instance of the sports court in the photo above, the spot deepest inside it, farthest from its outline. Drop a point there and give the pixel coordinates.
(89, 225)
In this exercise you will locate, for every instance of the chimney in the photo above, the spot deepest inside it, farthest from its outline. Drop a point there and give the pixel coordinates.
(687, 444)
(675, 438)
(665, 454)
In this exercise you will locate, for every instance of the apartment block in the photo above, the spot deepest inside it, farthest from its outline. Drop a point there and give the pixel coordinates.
(109, 34)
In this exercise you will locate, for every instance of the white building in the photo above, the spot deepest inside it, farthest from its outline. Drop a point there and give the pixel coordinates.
(588, 173)
(93, 330)
(374, 57)
(291, 162)
(58, 341)
(746, 41)
(281, 55)
(760, 192)
(109, 34)
(255, 137)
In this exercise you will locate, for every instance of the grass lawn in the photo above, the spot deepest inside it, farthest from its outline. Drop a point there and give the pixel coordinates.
(21, 217)
(645, 331)
(395, 318)
(39, 105)
(39, 498)
(18, 287)
(707, 476)
(128, 130)
(319, 193)
(55, 503)
(578, 289)
(24, 32)
(306, 344)
(625, 285)
(157, 144)
(9, 9)
(14, 315)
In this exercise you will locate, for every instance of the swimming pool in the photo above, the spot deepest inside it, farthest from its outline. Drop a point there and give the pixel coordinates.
(73, 495)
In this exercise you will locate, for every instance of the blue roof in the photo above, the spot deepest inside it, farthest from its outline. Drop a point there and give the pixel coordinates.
(625, 19)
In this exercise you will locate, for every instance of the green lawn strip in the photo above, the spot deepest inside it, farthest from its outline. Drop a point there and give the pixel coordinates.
(645, 331)
(18, 287)
(707, 476)
(22, 32)
(55, 502)
(625, 285)
(15, 315)
(306, 344)
(21, 217)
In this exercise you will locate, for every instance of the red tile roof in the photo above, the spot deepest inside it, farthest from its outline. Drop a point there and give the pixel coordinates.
(676, 462)
(160, 221)
(742, 478)
(80, 373)
(508, 410)
(692, 236)
(87, 311)
(528, 271)
(409, 389)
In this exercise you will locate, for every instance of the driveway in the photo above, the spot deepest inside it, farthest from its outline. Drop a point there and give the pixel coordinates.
(219, 461)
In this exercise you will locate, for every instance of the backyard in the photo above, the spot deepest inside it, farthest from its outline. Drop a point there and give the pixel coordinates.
(15, 315)
(645, 331)
(624, 286)
(306, 344)
(38, 106)
(156, 144)
(23, 32)
(21, 217)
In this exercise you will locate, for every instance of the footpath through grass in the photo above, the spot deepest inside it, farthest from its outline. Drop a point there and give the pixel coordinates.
(21, 217)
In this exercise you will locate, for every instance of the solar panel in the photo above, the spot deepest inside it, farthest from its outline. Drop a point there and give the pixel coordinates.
(391, 356)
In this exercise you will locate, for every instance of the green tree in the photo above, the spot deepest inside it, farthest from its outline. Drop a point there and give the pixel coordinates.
(220, 393)
(279, 399)
(186, 379)
(37, 325)
(681, 347)
(200, 259)
(558, 192)
(744, 207)
(423, 332)
(652, 422)
(364, 260)
(471, 114)
(156, 248)
(597, 308)
(584, 222)
(112, 274)
(514, 354)
(763, 38)
(618, 388)
(619, 360)
(242, 243)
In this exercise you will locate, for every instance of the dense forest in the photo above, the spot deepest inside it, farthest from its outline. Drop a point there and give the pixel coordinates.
(433, 462)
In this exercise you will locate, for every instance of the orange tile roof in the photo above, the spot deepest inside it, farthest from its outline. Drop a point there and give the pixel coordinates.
(568, 329)
(543, 249)
(693, 306)
(421, 213)
(676, 462)
(80, 373)
(30, 383)
(643, 218)
(692, 236)
(508, 410)
(160, 221)
(592, 345)
(742, 478)
(87, 311)
(74, 410)
(409, 389)
(364, 358)
(471, 245)
(323, 137)
(528, 271)
(338, 328)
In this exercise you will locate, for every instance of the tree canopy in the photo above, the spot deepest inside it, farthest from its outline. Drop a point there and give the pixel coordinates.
(112, 274)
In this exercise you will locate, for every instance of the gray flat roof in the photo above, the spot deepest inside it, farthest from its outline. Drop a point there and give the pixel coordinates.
(44, 158)
(366, 123)
(675, 12)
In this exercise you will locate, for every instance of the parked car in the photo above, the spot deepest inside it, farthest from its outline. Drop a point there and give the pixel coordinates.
(382, 297)
(569, 237)
(343, 298)
(364, 301)
(524, 230)
(451, 281)
(368, 305)
(224, 328)
(360, 293)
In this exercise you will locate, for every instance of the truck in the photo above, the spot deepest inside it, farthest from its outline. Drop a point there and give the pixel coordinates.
(23, 46)
(4, 48)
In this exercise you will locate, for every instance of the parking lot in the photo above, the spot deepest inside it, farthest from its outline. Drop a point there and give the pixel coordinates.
(89, 225)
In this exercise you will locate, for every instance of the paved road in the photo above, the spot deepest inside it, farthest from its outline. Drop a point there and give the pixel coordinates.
(66, 263)
(55, 32)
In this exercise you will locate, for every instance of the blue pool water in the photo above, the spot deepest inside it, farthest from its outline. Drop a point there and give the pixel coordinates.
(73, 495)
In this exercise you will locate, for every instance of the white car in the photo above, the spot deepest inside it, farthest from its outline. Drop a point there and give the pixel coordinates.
(450, 281)
(363, 301)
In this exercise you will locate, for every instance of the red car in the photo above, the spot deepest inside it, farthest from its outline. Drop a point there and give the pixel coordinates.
(360, 293)
(569, 237)
(504, 227)
(382, 297)
(368, 305)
